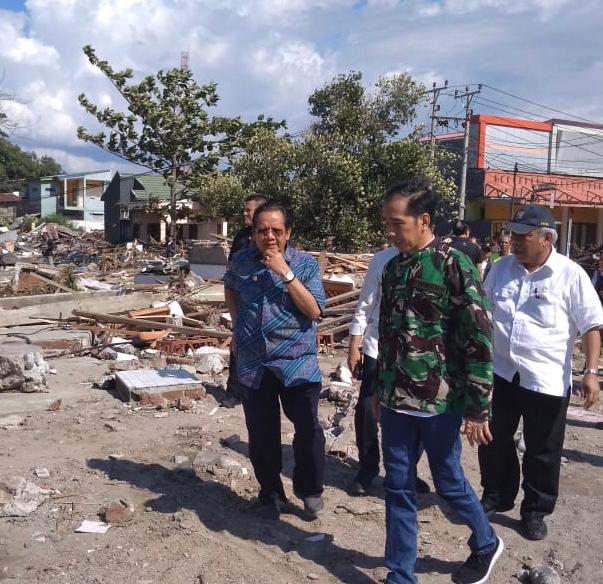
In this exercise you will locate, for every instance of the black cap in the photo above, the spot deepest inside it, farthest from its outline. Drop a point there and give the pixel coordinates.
(530, 218)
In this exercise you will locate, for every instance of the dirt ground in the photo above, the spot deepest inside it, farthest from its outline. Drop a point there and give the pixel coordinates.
(197, 527)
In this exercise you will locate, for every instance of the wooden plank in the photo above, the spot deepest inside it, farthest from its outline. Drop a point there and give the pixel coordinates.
(150, 325)
(53, 283)
(331, 322)
(341, 297)
(165, 310)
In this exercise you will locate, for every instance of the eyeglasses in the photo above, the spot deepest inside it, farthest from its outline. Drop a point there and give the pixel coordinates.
(265, 231)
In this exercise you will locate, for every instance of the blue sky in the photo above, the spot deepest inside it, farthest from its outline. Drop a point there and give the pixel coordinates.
(267, 56)
(12, 5)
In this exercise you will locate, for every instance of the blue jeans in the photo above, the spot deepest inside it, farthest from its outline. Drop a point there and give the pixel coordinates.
(402, 436)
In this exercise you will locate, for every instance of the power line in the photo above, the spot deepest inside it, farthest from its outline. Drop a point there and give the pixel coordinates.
(540, 105)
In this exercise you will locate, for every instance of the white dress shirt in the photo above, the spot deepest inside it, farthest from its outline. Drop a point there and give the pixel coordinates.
(366, 318)
(536, 318)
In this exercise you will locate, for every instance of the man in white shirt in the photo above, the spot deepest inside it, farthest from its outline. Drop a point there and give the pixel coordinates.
(540, 301)
(364, 331)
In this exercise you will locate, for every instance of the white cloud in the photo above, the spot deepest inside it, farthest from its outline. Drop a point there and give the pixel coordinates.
(268, 55)
(17, 47)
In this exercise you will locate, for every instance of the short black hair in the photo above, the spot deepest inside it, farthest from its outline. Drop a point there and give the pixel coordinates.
(259, 199)
(420, 196)
(460, 228)
(274, 205)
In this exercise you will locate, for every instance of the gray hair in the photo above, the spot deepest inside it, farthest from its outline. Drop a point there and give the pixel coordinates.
(549, 230)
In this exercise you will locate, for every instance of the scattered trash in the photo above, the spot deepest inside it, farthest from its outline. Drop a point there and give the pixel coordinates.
(42, 473)
(92, 527)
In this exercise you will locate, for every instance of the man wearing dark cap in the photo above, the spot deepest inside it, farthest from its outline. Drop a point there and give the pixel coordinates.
(541, 300)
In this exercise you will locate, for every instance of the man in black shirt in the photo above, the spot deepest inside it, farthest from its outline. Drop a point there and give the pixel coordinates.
(243, 237)
(242, 240)
(461, 241)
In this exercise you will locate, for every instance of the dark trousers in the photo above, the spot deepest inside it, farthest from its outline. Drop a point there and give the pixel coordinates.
(543, 432)
(367, 438)
(232, 385)
(263, 419)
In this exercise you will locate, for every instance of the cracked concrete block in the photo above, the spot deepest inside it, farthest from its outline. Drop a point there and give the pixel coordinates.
(22, 368)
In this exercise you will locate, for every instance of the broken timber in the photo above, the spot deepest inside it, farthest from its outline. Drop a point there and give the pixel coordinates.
(151, 325)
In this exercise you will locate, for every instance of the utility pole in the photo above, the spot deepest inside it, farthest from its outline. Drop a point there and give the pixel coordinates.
(468, 97)
(435, 108)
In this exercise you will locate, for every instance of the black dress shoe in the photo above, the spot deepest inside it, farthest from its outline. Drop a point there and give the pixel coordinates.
(533, 528)
(490, 509)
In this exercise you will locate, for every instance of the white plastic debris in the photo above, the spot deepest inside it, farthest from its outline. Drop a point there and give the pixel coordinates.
(92, 527)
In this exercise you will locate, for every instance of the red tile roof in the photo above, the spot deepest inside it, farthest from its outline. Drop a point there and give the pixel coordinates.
(8, 198)
(565, 190)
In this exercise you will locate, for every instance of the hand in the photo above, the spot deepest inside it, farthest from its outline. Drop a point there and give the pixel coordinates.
(274, 260)
(477, 432)
(590, 390)
(354, 360)
(376, 409)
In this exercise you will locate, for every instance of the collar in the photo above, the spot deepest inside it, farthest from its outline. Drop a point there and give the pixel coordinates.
(551, 263)
(433, 242)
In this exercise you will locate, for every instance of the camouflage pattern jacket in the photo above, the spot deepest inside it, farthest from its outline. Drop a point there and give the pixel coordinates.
(435, 335)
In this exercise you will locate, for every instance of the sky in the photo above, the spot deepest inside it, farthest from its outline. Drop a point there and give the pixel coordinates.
(267, 56)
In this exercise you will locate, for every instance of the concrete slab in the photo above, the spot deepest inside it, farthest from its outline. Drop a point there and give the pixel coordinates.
(151, 386)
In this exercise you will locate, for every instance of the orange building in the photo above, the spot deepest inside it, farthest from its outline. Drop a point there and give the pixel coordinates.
(558, 163)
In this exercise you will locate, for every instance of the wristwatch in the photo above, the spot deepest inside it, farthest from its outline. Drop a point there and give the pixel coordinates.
(288, 277)
(591, 372)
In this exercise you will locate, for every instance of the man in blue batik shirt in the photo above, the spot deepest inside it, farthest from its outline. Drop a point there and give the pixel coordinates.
(274, 294)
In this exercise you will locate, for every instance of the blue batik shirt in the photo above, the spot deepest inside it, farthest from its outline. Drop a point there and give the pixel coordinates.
(271, 332)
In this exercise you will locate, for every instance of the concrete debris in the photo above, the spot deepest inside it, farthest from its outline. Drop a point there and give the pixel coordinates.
(339, 392)
(118, 513)
(210, 360)
(20, 497)
(543, 575)
(206, 459)
(179, 459)
(22, 368)
(185, 404)
(12, 422)
(56, 405)
(343, 444)
(113, 355)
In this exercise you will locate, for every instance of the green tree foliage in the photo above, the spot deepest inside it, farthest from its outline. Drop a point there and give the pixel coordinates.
(16, 164)
(167, 127)
(335, 176)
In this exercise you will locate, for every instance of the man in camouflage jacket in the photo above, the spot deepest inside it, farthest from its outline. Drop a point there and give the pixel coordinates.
(435, 368)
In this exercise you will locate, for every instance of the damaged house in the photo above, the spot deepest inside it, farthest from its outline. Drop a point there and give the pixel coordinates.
(136, 208)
